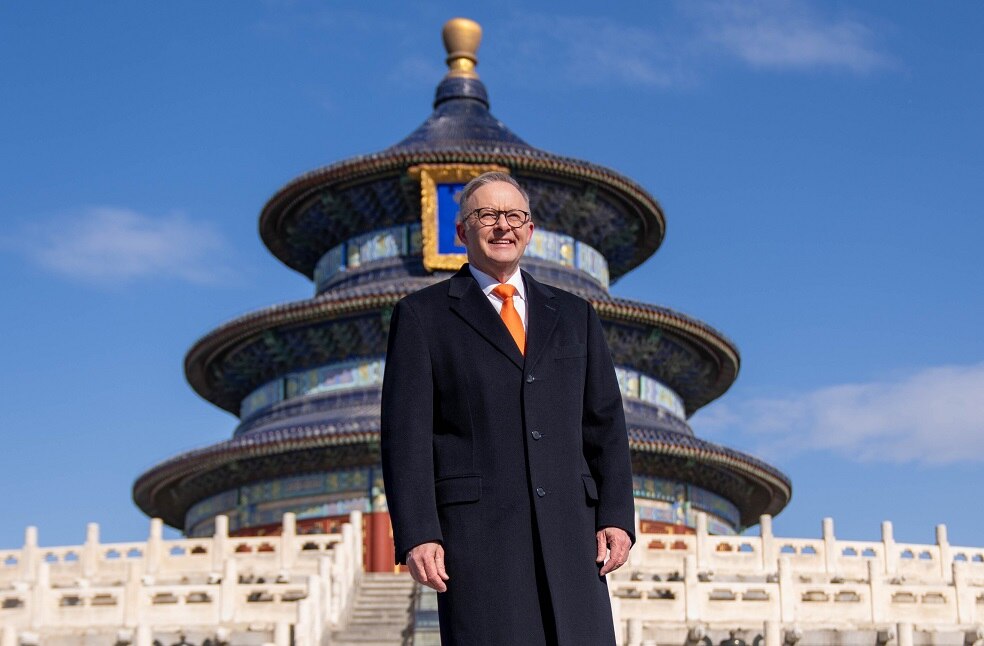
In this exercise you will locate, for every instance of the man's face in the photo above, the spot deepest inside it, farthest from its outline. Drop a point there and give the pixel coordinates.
(495, 249)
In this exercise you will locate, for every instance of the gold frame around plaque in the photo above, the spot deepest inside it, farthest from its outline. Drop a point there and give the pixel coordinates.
(430, 175)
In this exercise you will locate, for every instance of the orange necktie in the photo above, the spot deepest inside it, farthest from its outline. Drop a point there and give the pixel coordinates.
(510, 316)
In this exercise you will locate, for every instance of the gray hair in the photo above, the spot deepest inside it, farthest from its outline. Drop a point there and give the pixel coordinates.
(487, 178)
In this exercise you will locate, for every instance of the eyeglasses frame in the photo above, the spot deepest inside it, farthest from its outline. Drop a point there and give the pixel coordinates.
(498, 215)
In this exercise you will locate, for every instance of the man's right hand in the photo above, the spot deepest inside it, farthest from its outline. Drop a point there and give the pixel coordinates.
(426, 565)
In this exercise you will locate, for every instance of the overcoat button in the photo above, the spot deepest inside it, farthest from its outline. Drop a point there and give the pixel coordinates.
(540, 491)
(529, 379)
(536, 435)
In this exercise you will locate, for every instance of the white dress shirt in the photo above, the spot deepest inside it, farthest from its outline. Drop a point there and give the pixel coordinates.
(487, 283)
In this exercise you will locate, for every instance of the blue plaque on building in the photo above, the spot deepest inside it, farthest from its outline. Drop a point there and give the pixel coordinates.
(440, 186)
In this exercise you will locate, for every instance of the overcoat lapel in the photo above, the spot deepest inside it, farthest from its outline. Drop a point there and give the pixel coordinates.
(473, 306)
(541, 316)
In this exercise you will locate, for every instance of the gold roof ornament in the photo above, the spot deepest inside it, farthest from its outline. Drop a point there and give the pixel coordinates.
(462, 37)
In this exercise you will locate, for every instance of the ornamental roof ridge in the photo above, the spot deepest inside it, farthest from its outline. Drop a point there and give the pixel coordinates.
(210, 347)
(459, 130)
(393, 158)
(365, 431)
(702, 447)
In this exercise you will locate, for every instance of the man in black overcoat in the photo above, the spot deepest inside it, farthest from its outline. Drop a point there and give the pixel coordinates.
(504, 449)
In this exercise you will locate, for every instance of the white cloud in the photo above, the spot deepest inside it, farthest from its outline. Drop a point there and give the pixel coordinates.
(788, 34)
(779, 35)
(114, 245)
(934, 416)
(598, 51)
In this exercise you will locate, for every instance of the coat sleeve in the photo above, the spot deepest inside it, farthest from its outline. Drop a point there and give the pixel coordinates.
(606, 444)
(406, 431)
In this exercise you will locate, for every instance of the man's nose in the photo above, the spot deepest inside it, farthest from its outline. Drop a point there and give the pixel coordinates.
(501, 223)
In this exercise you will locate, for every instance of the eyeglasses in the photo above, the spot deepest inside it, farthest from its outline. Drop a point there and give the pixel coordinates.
(490, 217)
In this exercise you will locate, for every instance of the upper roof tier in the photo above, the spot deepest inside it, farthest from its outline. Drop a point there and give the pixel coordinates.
(595, 205)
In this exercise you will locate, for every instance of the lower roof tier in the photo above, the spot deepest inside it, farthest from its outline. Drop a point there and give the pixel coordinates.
(304, 392)
(324, 499)
(694, 360)
(322, 208)
(171, 488)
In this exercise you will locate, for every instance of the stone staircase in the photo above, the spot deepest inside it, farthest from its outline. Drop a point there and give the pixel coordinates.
(380, 613)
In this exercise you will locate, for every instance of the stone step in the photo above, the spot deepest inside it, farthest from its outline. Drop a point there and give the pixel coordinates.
(393, 592)
(376, 576)
(367, 639)
(396, 627)
(384, 604)
(383, 598)
(369, 604)
(374, 612)
(389, 616)
(367, 634)
(384, 588)
(380, 612)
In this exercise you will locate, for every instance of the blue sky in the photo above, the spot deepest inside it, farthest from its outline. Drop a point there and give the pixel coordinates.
(819, 165)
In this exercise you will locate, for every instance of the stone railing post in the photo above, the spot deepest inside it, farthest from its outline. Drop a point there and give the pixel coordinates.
(904, 633)
(773, 633)
(347, 556)
(876, 592)
(90, 550)
(888, 547)
(30, 555)
(288, 541)
(132, 593)
(768, 542)
(324, 582)
(620, 626)
(229, 590)
(314, 610)
(220, 542)
(787, 592)
(691, 588)
(701, 542)
(143, 636)
(634, 632)
(155, 547)
(945, 556)
(830, 555)
(337, 587)
(355, 519)
(281, 634)
(40, 597)
(963, 593)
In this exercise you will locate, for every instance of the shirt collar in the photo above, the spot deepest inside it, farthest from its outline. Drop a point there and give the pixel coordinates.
(487, 283)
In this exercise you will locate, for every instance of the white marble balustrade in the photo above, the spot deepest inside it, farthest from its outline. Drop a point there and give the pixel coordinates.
(264, 587)
(680, 588)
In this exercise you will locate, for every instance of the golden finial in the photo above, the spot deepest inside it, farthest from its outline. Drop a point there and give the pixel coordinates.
(461, 39)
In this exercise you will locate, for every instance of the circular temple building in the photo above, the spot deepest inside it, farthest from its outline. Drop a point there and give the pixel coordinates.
(304, 378)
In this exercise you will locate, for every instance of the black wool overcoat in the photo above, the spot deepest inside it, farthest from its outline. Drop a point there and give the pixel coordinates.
(508, 461)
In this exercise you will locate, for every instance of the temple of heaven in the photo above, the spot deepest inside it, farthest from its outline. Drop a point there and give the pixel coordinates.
(304, 378)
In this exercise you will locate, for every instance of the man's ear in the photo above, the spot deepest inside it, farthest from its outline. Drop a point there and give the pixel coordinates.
(459, 229)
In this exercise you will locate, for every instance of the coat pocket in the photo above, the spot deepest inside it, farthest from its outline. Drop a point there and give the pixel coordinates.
(573, 351)
(590, 489)
(458, 489)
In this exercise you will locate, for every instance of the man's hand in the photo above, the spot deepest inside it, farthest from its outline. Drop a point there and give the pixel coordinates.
(616, 542)
(426, 565)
